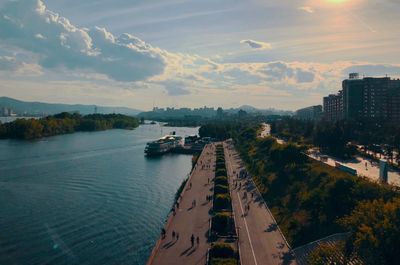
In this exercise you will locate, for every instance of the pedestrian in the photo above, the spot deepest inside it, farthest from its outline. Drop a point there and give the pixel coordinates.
(198, 240)
(192, 240)
(177, 236)
(173, 234)
(177, 205)
(162, 233)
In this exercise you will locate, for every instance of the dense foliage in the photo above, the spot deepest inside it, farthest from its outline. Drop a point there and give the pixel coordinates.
(311, 200)
(333, 138)
(222, 250)
(376, 230)
(64, 123)
(223, 223)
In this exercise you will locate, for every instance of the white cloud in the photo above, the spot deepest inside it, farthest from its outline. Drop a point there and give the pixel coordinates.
(259, 45)
(124, 58)
(307, 9)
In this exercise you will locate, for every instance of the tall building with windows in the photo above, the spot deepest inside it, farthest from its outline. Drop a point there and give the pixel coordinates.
(310, 113)
(366, 98)
(371, 98)
(333, 107)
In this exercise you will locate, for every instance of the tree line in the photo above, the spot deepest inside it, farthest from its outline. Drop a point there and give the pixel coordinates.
(311, 200)
(64, 123)
(334, 138)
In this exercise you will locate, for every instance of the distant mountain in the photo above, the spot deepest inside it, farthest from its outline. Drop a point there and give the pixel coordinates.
(269, 111)
(39, 108)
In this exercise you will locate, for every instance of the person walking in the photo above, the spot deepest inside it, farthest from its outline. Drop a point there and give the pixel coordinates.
(198, 240)
(162, 233)
(177, 236)
(192, 240)
(173, 234)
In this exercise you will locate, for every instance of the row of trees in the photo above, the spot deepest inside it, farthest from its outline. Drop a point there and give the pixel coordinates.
(64, 123)
(311, 200)
(222, 223)
(333, 138)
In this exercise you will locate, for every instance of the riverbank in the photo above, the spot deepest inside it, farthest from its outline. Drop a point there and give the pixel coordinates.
(64, 123)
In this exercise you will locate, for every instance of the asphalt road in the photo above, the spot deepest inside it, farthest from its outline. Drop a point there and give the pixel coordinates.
(260, 240)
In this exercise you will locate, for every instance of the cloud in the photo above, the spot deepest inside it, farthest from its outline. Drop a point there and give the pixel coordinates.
(307, 9)
(18, 67)
(259, 45)
(29, 25)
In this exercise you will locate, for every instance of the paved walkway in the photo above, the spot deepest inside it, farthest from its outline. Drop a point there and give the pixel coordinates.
(189, 219)
(358, 163)
(260, 240)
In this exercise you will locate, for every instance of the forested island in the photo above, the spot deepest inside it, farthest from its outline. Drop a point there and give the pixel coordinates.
(64, 123)
(311, 200)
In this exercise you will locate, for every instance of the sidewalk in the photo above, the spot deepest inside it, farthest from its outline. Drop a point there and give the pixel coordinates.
(189, 219)
(260, 240)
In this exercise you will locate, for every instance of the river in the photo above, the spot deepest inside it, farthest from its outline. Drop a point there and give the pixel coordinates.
(86, 198)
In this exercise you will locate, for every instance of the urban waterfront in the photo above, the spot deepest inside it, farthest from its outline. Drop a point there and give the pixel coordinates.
(86, 198)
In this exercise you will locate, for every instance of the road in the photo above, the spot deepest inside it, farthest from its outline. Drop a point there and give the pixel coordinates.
(260, 240)
(189, 219)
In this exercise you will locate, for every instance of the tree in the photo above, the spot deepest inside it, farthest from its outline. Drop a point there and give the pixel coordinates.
(375, 227)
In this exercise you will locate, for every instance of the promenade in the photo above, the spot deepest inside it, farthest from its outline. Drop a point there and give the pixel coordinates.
(260, 240)
(189, 219)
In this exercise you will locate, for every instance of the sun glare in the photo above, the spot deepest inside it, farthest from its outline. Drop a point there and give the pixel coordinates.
(337, 1)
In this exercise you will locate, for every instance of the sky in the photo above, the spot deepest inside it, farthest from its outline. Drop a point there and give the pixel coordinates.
(284, 54)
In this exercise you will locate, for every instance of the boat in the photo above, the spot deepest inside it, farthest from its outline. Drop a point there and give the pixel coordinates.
(163, 145)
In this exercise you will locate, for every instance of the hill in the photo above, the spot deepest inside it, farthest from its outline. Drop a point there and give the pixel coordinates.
(39, 108)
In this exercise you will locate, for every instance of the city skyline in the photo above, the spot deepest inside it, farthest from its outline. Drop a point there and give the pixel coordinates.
(279, 54)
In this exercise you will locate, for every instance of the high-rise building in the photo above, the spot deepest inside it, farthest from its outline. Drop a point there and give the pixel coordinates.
(371, 98)
(366, 98)
(333, 107)
(310, 113)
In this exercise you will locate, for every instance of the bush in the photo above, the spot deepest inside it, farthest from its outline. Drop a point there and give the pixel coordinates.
(222, 223)
(220, 160)
(221, 180)
(222, 202)
(223, 262)
(219, 189)
(222, 250)
(220, 172)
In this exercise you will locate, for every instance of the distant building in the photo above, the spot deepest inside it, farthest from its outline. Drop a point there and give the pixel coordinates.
(6, 112)
(333, 107)
(310, 113)
(220, 113)
(367, 98)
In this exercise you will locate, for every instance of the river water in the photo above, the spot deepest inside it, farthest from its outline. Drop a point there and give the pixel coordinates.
(86, 198)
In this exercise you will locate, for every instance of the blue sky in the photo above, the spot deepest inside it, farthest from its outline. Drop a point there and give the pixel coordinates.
(282, 54)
